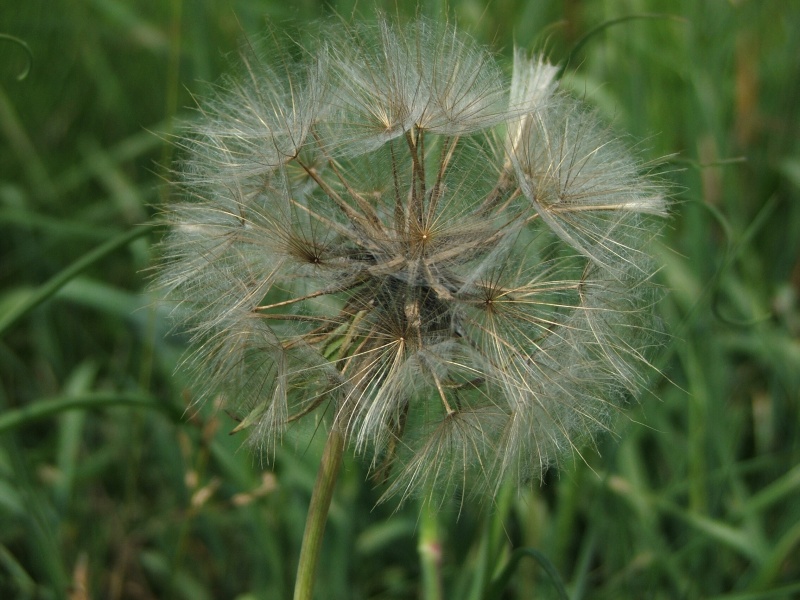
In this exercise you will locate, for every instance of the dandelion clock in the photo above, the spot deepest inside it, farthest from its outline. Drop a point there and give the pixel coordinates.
(444, 268)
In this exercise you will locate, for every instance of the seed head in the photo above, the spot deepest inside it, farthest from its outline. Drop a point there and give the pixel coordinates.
(388, 236)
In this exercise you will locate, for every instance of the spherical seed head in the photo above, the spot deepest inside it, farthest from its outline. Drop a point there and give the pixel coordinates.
(451, 267)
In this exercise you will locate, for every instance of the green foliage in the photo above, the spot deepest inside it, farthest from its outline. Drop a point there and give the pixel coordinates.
(696, 495)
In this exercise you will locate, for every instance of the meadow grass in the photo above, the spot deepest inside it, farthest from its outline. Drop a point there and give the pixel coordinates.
(111, 488)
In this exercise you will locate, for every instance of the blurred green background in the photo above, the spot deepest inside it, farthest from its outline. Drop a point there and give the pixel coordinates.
(109, 489)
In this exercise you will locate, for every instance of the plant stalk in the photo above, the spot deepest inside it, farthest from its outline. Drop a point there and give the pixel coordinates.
(318, 514)
(430, 552)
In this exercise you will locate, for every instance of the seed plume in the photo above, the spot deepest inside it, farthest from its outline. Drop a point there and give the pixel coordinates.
(381, 232)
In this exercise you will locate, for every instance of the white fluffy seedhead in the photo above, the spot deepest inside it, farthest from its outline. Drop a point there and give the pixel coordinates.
(385, 234)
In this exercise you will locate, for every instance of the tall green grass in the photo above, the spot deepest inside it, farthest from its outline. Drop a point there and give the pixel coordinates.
(111, 487)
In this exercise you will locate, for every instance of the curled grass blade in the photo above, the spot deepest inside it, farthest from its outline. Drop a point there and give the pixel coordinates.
(21, 43)
(610, 22)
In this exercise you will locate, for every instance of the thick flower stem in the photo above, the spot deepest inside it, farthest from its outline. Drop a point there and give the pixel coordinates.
(430, 552)
(318, 514)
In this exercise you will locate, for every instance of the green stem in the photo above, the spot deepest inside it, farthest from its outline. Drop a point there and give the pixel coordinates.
(430, 552)
(318, 514)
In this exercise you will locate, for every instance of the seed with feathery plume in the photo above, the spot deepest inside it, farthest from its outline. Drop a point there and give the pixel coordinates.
(389, 236)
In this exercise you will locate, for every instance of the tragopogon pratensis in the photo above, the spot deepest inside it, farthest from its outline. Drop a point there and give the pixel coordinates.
(382, 234)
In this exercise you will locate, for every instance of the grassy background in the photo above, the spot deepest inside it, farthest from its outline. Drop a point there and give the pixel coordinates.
(124, 496)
